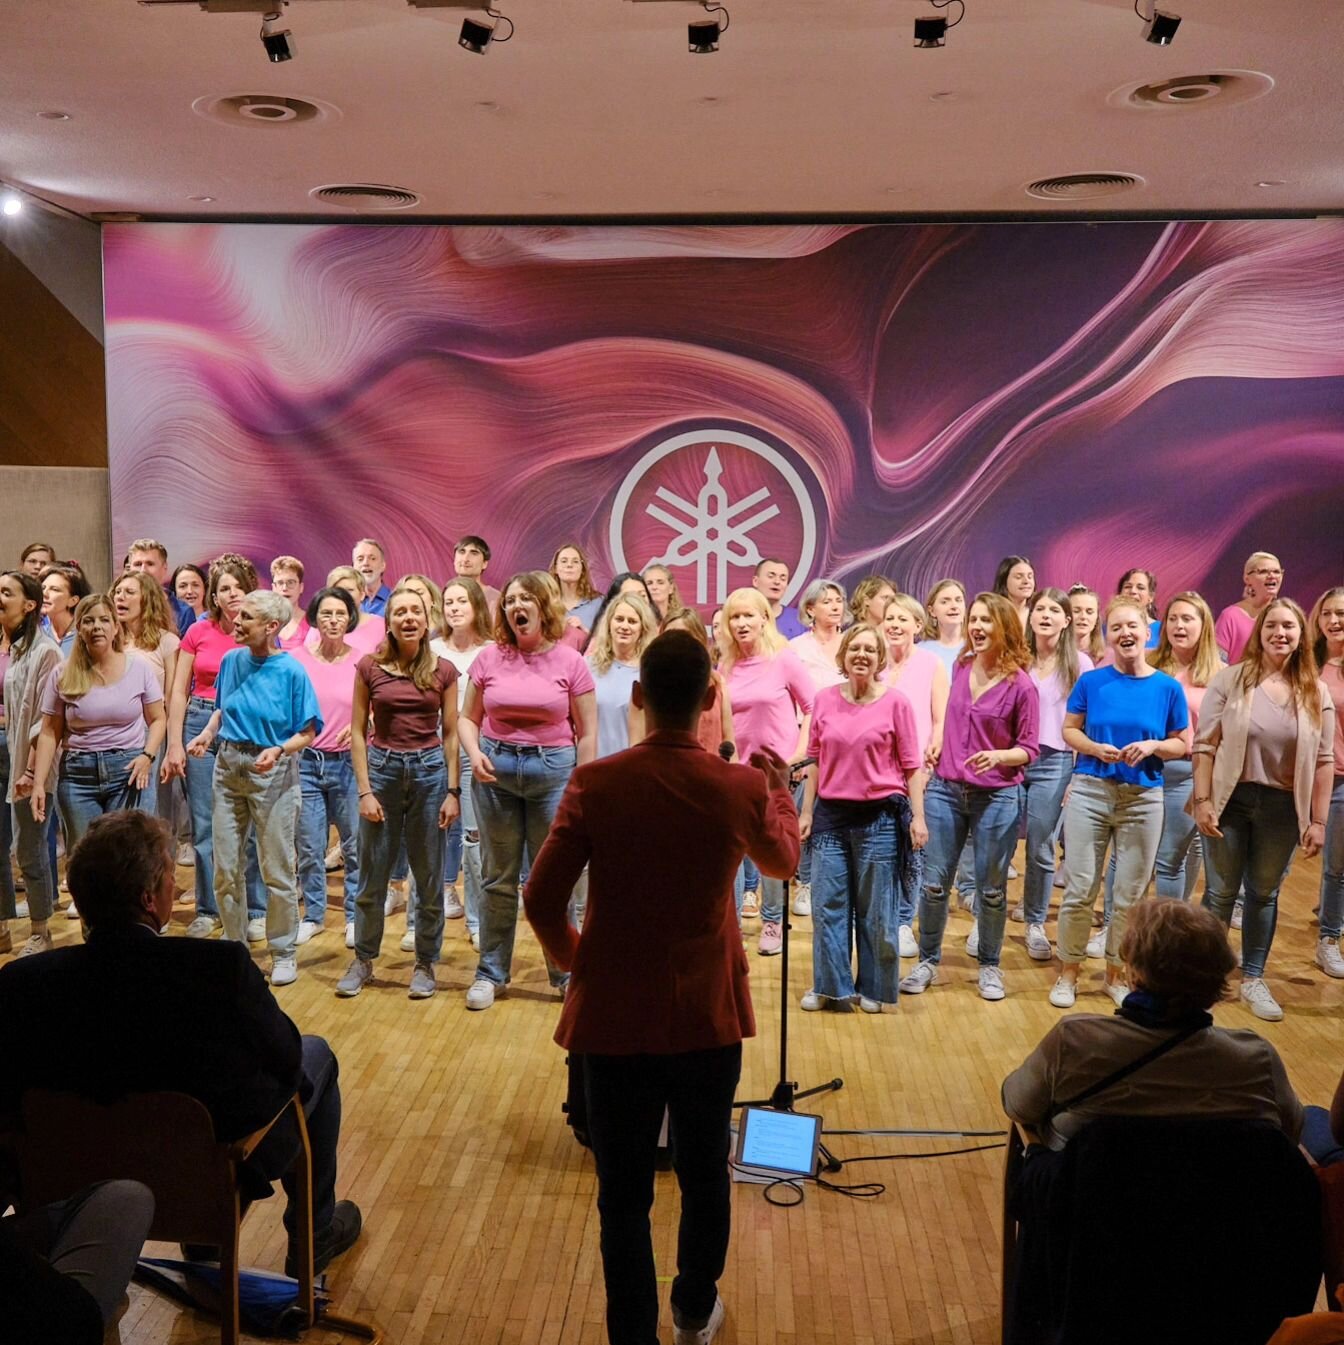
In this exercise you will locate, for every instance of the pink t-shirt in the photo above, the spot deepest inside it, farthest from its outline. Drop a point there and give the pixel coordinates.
(335, 687)
(914, 680)
(293, 643)
(1232, 631)
(1333, 677)
(1194, 698)
(821, 666)
(207, 645)
(767, 695)
(106, 718)
(1054, 703)
(526, 696)
(863, 751)
(364, 639)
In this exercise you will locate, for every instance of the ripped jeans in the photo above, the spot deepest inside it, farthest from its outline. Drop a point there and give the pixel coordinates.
(953, 811)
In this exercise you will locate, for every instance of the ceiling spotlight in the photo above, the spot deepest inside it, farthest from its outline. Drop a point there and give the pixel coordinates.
(702, 35)
(278, 42)
(476, 36)
(1161, 28)
(12, 203)
(931, 30)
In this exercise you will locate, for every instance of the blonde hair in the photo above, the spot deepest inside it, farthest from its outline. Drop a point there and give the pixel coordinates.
(290, 563)
(931, 621)
(771, 640)
(1319, 644)
(480, 608)
(1007, 642)
(1096, 646)
(1299, 671)
(691, 620)
(1256, 557)
(422, 667)
(76, 675)
(601, 654)
(435, 599)
(910, 604)
(868, 588)
(675, 603)
(585, 579)
(1206, 661)
(347, 573)
(847, 639)
(156, 620)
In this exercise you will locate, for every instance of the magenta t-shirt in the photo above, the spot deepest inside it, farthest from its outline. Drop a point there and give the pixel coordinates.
(1054, 704)
(207, 644)
(335, 687)
(106, 718)
(525, 697)
(767, 695)
(863, 751)
(1006, 716)
(1232, 631)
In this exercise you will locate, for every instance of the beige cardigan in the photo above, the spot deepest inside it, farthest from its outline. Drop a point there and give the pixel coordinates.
(1225, 721)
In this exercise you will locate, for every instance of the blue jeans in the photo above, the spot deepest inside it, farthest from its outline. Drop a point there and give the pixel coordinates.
(1179, 851)
(91, 784)
(471, 850)
(1259, 826)
(855, 884)
(516, 810)
(990, 817)
(1318, 1139)
(411, 787)
(200, 788)
(1332, 866)
(7, 899)
(1044, 785)
(328, 793)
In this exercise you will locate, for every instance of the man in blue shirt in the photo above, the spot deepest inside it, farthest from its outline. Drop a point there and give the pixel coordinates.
(152, 557)
(370, 560)
(770, 580)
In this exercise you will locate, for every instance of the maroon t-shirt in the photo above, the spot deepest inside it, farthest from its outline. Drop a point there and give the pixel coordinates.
(405, 719)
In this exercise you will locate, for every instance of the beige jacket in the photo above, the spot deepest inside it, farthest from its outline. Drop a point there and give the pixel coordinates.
(1224, 722)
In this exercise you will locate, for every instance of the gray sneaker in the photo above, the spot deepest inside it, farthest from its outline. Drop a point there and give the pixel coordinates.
(919, 980)
(354, 980)
(1038, 944)
(422, 981)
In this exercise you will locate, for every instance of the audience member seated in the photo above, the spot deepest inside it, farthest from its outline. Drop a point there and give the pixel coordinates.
(1323, 1131)
(130, 1012)
(64, 1268)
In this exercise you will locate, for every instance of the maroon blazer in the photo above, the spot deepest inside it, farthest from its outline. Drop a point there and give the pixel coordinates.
(663, 827)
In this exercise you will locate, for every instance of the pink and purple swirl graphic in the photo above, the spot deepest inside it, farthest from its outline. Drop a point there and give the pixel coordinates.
(911, 400)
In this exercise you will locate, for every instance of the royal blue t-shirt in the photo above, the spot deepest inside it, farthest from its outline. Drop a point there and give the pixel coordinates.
(264, 701)
(1119, 710)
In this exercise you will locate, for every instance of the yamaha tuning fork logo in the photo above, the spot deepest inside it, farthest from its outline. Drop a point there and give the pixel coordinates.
(711, 505)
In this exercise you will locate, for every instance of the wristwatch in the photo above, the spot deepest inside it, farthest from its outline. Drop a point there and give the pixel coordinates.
(455, 791)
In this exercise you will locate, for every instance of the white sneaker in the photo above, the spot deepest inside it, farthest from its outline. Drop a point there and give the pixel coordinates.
(333, 859)
(284, 971)
(918, 981)
(256, 929)
(908, 944)
(396, 898)
(973, 942)
(685, 1335)
(1096, 945)
(349, 933)
(71, 913)
(1329, 959)
(811, 1002)
(1238, 909)
(186, 856)
(476, 940)
(309, 929)
(453, 909)
(481, 994)
(37, 943)
(1117, 990)
(202, 927)
(991, 983)
(1038, 943)
(1063, 993)
(802, 899)
(869, 1005)
(408, 941)
(1012, 871)
(1261, 1003)
(1018, 915)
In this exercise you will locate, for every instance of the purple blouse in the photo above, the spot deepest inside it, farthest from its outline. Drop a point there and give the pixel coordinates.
(1007, 715)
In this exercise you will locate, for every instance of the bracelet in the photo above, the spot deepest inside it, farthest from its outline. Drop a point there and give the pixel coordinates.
(146, 756)
(366, 794)
(1208, 798)
(455, 791)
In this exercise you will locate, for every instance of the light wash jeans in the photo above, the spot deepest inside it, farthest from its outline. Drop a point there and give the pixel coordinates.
(267, 802)
(515, 811)
(855, 881)
(1179, 851)
(36, 846)
(1332, 866)
(411, 787)
(1044, 784)
(7, 898)
(1097, 812)
(471, 849)
(328, 795)
(91, 784)
(1259, 826)
(952, 811)
(200, 790)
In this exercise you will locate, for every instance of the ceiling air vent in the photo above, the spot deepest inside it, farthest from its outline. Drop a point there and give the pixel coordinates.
(1082, 186)
(251, 110)
(1222, 87)
(365, 196)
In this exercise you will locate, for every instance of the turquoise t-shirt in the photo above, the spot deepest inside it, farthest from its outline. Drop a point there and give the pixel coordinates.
(1119, 710)
(265, 701)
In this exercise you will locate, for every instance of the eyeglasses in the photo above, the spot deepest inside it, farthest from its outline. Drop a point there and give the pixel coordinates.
(1268, 574)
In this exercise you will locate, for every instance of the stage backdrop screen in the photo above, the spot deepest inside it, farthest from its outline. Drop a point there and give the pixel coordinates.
(916, 401)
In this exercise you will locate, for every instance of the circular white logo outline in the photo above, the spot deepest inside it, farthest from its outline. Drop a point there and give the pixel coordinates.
(773, 456)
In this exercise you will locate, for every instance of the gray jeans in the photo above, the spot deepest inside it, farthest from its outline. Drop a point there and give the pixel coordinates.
(1097, 812)
(270, 801)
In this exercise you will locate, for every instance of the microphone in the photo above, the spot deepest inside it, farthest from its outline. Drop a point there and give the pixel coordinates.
(726, 750)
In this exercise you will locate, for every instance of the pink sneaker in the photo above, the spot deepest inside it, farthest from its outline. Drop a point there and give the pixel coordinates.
(772, 939)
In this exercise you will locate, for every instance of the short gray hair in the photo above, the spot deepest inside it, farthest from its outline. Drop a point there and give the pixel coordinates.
(269, 606)
(815, 591)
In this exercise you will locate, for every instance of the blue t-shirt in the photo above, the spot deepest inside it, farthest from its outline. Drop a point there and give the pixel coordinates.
(1119, 710)
(613, 708)
(265, 701)
(790, 624)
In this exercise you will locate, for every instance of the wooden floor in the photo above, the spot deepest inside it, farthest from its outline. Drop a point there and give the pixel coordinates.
(480, 1223)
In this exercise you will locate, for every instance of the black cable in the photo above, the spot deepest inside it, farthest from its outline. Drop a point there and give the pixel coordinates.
(943, 4)
(924, 1134)
(941, 1153)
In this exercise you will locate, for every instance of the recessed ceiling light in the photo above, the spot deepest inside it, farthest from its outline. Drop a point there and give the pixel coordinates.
(200, 198)
(54, 116)
(1272, 182)
(944, 96)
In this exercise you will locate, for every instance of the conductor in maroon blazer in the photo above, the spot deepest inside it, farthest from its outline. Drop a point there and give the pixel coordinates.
(658, 1000)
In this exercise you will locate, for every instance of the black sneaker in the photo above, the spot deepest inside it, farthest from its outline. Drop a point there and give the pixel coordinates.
(338, 1236)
